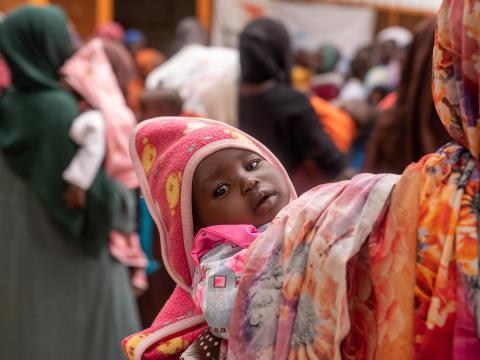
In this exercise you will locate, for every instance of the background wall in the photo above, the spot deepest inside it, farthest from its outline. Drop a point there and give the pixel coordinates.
(420, 5)
(347, 24)
(82, 13)
(310, 24)
(156, 18)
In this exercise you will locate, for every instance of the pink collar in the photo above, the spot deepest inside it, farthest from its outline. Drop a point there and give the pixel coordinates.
(210, 237)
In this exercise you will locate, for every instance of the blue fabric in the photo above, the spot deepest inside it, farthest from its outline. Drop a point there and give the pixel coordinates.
(357, 155)
(146, 236)
(133, 36)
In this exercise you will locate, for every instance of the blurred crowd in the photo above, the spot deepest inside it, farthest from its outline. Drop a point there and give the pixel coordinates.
(89, 260)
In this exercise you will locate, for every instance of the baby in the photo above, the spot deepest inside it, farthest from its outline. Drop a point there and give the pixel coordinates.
(236, 193)
(211, 190)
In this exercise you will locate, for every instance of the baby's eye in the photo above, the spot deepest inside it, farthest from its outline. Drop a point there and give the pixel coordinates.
(220, 191)
(252, 165)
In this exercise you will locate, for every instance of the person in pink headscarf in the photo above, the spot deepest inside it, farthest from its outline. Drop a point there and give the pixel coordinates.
(89, 74)
(110, 30)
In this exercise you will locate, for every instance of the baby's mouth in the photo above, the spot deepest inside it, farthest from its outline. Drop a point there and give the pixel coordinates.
(264, 201)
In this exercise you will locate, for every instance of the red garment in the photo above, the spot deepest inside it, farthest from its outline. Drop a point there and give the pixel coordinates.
(388, 101)
(5, 77)
(110, 30)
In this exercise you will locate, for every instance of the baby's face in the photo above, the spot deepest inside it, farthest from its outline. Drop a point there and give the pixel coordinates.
(234, 186)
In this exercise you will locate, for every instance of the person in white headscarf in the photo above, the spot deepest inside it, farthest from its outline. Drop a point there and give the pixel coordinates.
(205, 77)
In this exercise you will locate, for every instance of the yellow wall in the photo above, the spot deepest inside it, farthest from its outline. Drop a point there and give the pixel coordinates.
(104, 11)
(6, 5)
(204, 13)
(85, 14)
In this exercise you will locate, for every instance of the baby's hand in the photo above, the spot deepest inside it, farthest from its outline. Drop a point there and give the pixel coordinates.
(75, 198)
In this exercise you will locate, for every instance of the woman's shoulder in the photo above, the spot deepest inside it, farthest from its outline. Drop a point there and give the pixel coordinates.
(57, 103)
(60, 97)
(49, 106)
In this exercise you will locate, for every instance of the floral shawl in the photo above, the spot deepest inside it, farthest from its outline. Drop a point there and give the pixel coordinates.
(293, 298)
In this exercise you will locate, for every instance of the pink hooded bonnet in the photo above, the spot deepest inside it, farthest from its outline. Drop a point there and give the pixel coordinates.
(165, 153)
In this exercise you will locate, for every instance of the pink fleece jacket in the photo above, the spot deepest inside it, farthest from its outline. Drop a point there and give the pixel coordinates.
(165, 153)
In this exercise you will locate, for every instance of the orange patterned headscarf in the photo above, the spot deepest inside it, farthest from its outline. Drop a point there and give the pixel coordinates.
(447, 295)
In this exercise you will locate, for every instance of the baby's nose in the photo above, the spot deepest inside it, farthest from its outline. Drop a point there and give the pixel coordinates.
(249, 184)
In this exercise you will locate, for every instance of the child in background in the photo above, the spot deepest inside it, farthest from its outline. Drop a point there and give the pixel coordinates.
(160, 102)
(206, 178)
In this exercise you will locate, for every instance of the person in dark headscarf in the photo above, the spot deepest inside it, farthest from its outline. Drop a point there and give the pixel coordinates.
(410, 128)
(63, 295)
(325, 58)
(274, 112)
